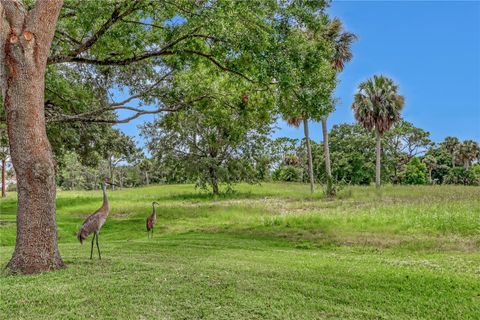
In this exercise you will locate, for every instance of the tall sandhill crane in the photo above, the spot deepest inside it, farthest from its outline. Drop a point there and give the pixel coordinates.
(95, 221)
(152, 219)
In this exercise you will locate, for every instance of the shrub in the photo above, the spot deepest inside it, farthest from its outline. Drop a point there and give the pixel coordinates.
(460, 175)
(476, 171)
(288, 173)
(415, 172)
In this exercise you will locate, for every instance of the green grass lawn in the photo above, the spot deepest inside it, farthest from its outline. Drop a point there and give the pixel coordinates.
(272, 251)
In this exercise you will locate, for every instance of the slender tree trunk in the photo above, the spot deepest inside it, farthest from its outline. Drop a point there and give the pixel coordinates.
(214, 180)
(146, 178)
(326, 152)
(309, 153)
(430, 175)
(25, 39)
(112, 174)
(378, 150)
(4, 193)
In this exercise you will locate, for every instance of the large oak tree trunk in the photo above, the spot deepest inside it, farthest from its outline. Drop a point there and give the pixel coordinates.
(4, 193)
(25, 43)
(378, 151)
(326, 152)
(309, 153)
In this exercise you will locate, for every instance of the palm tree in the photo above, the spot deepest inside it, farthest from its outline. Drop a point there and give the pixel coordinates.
(467, 152)
(342, 42)
(431, 163)
(377, 106)
(451, 145)
(295, 122)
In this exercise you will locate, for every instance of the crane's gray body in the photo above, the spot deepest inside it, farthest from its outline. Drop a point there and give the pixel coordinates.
(152, 219)
(96, 220)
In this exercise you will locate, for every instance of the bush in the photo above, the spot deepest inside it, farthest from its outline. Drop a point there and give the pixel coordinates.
(476, 171)
(288, 173)
(460, 175)
(415, 172)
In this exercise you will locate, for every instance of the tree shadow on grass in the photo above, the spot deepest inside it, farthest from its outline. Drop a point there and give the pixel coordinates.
(203, 196)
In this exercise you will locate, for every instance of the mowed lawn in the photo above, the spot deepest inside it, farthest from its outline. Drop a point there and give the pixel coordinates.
(269, 251)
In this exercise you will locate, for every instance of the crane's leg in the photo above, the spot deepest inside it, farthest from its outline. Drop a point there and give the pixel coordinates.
(152, 232)
(91, 250)
(98, 248)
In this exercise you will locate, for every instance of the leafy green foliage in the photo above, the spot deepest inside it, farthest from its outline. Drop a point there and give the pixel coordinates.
(218, 139)
(288, 173)
(461, 175)
(305, 78)
(352, 150)
(403, 142)
(415, 172)
(476, 170)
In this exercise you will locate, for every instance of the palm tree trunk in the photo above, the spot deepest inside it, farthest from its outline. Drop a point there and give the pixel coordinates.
(326, 151)
(378, 149)
(309, 153)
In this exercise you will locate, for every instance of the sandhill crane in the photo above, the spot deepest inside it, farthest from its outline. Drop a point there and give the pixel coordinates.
(95, 221)
(152, 219)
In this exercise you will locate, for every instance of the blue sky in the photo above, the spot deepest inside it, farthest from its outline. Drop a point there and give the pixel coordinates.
(431, 49)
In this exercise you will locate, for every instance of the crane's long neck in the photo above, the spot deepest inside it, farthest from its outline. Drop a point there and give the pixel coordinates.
(154, 210)
(105, 198)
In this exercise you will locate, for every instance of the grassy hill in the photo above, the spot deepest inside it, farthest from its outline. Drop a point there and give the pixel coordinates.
(266, 252)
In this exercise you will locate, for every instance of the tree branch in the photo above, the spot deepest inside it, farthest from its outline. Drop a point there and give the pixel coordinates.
(144, 24)
(42, 22)
(116, 16)
(133, 97)
(92, 116)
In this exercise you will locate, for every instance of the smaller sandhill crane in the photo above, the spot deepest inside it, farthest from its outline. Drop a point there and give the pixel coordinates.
(152, 219)
(95, 221)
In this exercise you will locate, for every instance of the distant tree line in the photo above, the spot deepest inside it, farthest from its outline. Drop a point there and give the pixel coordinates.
(189, 148)
(408, 157)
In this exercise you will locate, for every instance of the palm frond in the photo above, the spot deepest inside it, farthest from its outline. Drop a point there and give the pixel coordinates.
(377, 104)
